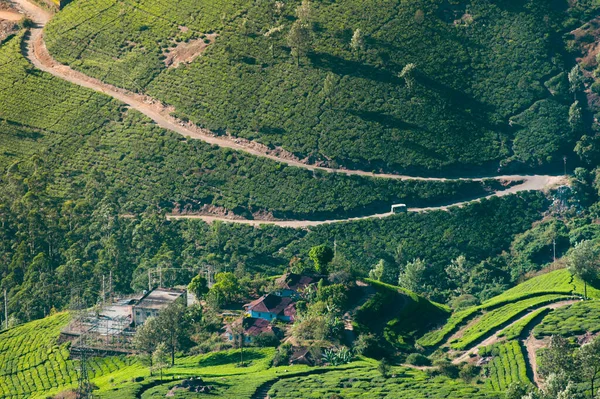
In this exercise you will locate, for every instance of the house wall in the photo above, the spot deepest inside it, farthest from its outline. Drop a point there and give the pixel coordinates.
(262, 315)
(140, 315)
(286, 293)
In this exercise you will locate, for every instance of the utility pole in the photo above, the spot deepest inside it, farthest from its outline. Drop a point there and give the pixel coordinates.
(110, 289)
(5, 309)
(565, 163)
(149, 280)
(554, 249)
(160, 277)
(103, 290)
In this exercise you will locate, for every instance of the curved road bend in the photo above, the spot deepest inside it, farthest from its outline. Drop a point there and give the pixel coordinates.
(39, 56)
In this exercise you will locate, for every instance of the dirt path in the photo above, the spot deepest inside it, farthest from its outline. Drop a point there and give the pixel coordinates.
(531, 343)
(10, 15)
(530, 183)
(38, 55)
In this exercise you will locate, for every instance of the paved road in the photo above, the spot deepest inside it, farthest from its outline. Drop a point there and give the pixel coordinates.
(39, 56)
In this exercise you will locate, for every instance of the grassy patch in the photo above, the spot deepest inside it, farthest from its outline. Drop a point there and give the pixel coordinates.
(368, 383)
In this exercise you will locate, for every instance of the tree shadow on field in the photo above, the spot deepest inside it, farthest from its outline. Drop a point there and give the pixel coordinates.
(458, 101)
(386, 120)
(342, 66)
(392, 122)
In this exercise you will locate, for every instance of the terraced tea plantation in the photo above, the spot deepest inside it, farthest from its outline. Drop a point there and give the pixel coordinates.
(368, 383)
(507, 366)
(340, 105)
(576, 319)
(538, 291)
(79, 133)
(498, 317)
(33, 364)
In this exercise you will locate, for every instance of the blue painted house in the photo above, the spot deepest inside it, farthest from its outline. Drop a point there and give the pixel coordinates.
(253, 328)
(292, 284)
(271, 307)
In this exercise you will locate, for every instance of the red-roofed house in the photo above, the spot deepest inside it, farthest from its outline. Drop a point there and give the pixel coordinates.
(292, 284)
(271, 307)
(253, 328)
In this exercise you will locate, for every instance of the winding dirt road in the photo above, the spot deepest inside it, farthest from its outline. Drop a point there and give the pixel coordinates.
(536, 182)
(38, 55)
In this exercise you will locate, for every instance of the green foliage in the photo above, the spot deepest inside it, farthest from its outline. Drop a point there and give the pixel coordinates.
(383, 367)
(497, 317)
(160, 358)
(86, 139)
(470, 80)
(198, 286)
(507, 366)
(398, 315)
(584, 262)
(413, 277)
(567, 321)
(225, 290)
(477, 232)
(543, 132)
(321, 255)
(418, 359)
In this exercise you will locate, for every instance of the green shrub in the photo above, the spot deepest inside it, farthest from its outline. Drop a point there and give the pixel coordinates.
(417, 359)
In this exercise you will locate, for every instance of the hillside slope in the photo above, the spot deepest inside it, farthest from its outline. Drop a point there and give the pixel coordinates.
(82, 136)
(340, 105)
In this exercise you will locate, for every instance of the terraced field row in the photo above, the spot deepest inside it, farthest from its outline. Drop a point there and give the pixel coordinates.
(498, 317)
(31, 361)
(515, 331)
(577, 319)
(507, 365)
(368, 383)
(557, 283)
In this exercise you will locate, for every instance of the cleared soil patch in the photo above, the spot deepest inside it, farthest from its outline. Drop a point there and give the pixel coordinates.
(184, 53)
(8, 15)
(8, 22)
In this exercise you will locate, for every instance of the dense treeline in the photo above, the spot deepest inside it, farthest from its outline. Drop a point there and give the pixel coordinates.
(345, 102)
(52, 248)
(83, 136)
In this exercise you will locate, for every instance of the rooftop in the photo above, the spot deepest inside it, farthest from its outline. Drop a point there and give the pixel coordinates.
(254, 326)
(294, 282)
(273, 304)
(159, 298)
